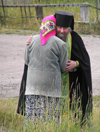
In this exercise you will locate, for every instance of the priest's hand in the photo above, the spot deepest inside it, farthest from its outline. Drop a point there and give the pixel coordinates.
(70, 65)
(29, 40)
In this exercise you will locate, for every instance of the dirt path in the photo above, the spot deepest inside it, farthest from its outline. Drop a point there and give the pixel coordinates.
(11, 62)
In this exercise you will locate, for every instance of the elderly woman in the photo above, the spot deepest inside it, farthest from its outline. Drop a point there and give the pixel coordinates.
(45, 60)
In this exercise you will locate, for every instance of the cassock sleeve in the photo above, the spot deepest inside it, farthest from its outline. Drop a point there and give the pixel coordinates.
(21, 101)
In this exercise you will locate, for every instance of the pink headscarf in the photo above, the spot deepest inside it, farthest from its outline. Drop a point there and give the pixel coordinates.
(47, 29)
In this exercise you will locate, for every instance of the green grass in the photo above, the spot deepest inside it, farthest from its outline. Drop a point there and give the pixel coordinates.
(50, 2)
(10, 121)
(16, 24)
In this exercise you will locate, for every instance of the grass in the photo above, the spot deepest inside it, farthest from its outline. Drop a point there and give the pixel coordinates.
(17, 24)
(87, 29)
(10, 121)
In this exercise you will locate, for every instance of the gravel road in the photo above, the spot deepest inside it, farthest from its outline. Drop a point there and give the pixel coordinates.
(12, 48)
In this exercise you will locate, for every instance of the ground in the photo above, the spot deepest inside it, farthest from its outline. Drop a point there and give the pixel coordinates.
(12, 48)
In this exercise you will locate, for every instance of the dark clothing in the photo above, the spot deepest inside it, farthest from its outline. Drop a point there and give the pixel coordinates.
(80, 81)
(21, 101)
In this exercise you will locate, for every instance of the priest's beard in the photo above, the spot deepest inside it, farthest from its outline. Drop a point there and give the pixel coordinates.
(63, 37)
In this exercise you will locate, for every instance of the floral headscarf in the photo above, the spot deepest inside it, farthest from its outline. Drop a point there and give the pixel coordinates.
(47, 29)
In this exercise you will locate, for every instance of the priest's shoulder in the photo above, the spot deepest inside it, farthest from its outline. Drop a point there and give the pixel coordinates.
(75, 34)
(76, 37)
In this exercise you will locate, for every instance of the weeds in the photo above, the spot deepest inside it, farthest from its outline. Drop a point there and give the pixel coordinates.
(16, 21)
(10, 120)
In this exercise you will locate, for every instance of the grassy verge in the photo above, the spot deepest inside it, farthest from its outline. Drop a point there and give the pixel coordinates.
(87, 29)
(10, 121)
(29, 25)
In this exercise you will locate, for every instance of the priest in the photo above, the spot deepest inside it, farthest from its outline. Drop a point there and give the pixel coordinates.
(78, 78)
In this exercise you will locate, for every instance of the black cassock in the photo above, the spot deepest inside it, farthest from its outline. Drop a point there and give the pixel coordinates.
(21, 101)
(80, 81)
